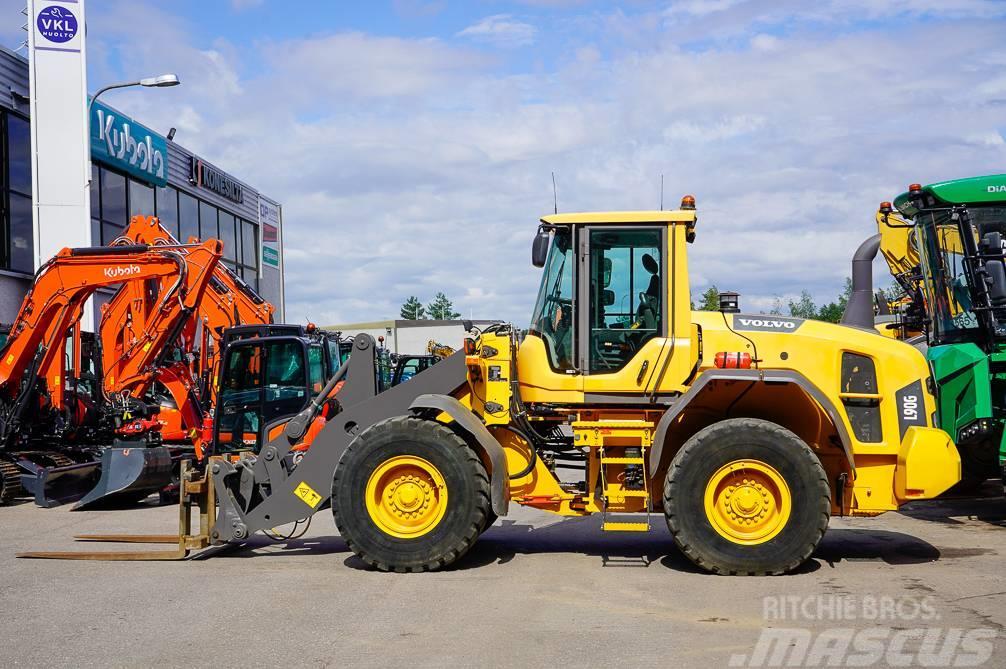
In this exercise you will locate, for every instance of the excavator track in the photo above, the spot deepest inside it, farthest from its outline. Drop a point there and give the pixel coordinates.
(10, 482)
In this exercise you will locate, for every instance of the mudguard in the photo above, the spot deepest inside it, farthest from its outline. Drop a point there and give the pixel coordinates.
(499, 482)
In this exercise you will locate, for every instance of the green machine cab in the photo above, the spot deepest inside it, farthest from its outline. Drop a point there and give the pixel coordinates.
(960, 230)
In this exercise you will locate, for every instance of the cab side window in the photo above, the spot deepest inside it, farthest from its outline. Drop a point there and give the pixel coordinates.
(626, 295)
(316, 367)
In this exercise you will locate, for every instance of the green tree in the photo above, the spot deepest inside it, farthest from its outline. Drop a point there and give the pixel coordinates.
(803, 307)
(413, 310)
(776, 309)
(710, 299)
(441, 309)
(833, 311)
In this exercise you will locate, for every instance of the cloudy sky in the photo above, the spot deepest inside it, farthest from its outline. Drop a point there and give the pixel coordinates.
(411, 142)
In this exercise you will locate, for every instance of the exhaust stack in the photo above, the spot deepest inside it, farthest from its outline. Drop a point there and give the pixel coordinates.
(859, 310)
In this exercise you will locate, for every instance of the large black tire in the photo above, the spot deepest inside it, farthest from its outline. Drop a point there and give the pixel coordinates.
(746, 439)
(467, 486)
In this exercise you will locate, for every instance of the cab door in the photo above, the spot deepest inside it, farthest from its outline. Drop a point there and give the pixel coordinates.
(623, 315)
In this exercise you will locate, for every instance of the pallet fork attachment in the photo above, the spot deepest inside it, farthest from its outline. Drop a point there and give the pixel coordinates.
(196, 491)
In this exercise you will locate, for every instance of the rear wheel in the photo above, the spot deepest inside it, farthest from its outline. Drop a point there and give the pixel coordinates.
(410, 495)
(746, 496)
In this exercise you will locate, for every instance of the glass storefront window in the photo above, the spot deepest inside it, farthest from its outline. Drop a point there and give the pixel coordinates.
(22, 249)
(19, 155)
(167, 209)
(249, 244)
(141, 199)
(228, 237)
(207, 221)
(188, 217)
(113, 200)
(95, 193)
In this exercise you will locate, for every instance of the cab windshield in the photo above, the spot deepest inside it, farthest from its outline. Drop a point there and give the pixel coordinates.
(950, 298)
(552, 319)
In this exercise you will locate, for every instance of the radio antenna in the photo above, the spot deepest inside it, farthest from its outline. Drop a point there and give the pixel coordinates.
(661, 192)
(555, 196)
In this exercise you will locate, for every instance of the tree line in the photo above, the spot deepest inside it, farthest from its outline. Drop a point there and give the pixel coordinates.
(802, 307)
(440, 308)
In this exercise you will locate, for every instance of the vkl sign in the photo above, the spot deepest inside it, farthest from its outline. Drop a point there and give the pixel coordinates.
(204, 176)
(121, 142)
(56, 24)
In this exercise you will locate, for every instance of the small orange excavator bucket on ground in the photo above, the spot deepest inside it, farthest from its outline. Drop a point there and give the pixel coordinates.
(196, 490)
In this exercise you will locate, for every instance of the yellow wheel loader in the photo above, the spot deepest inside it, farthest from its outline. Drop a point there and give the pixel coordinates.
(746, 432)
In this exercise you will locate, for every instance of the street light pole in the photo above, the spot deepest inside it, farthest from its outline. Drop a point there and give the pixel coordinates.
(163, 81)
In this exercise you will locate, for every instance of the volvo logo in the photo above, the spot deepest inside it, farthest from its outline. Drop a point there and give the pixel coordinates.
(121, 271)
(767, 324)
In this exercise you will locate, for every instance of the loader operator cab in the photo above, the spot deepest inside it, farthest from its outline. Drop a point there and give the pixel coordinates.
(604, 309)
(961, 228)
(269, 373)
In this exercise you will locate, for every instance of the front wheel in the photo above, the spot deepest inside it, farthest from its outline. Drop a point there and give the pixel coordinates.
(747, 496)
(410, 495)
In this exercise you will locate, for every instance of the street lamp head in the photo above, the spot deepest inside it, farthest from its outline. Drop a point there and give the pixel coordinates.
(162, 81)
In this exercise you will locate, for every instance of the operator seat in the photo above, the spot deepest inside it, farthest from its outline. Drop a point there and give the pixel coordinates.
(649, 302)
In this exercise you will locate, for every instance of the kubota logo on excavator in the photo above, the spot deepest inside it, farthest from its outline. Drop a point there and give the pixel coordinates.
(121, 271)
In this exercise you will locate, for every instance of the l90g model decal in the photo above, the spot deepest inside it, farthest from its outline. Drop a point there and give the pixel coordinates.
(766, 323)
(911, 407)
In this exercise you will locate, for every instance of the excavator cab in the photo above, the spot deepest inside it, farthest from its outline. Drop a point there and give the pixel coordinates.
(269, 374)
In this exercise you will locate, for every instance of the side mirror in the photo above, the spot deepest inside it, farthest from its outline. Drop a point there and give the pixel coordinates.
(539, 249)
(995, 269)
(606, 272)
(607, 298)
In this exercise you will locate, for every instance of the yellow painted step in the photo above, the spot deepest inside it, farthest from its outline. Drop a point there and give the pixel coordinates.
(611, 526)
(628, 493)
(623, 461)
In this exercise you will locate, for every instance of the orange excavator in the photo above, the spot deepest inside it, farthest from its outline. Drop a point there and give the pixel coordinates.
(184, 372)
(51, 411)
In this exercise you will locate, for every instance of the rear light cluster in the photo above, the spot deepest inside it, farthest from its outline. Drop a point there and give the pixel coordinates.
(470, 348)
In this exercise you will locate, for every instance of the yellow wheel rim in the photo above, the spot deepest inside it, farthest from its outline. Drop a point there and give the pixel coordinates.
(747, 502)
(406, 496)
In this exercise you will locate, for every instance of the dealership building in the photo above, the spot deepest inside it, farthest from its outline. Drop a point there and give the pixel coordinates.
(191, 196)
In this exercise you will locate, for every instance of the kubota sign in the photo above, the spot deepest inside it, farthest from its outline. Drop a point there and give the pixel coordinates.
(122, 143)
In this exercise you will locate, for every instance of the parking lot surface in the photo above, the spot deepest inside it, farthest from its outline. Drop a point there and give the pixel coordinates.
(536, 590)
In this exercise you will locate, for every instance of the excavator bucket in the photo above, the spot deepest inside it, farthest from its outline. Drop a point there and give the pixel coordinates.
(128, 475)
(53, 486)
(196, 490)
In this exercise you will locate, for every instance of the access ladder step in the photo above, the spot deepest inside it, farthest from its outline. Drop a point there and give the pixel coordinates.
(629, 493)
(617, 526)
(623, 461)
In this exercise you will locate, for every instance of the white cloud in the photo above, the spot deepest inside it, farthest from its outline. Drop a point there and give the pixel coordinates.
(408, 166)
(501, 30)
(702, 132)
(763, 42)
(700, 7)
